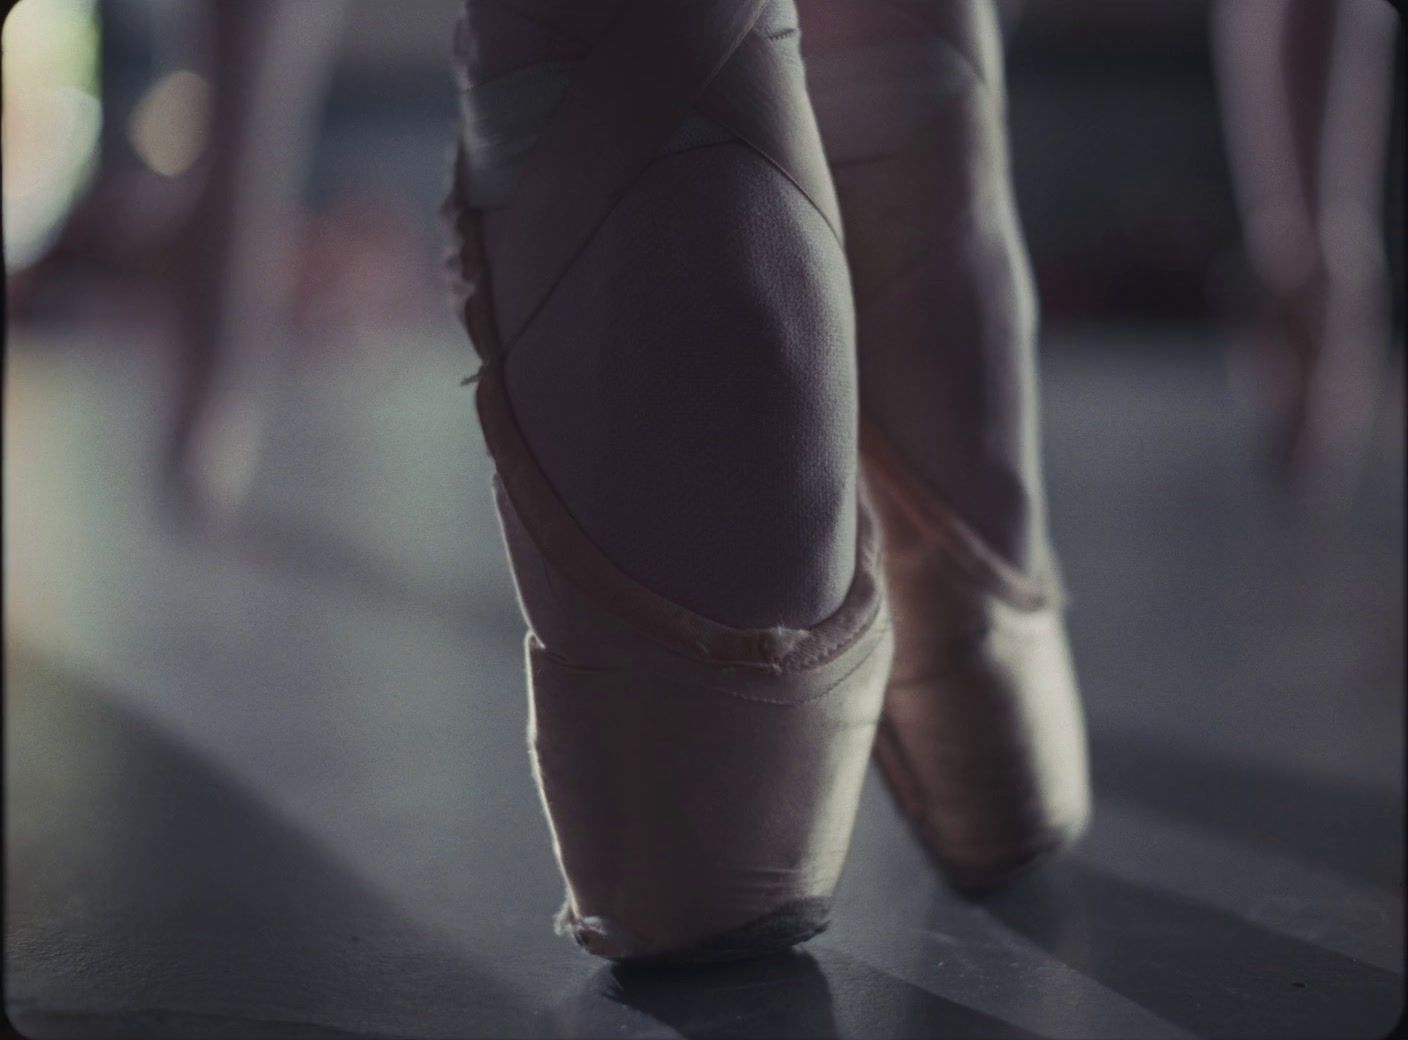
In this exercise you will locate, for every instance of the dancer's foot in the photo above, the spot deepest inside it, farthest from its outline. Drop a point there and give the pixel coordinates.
(660, 297)
(1307, 92)
(982, 738)
(1317, 356)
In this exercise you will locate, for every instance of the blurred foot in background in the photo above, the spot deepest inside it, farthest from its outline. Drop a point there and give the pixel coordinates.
(1306, 92)
(269, 64)
(186, 133)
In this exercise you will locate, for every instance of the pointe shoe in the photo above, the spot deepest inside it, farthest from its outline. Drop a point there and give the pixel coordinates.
(981, 740)
(701, 781)
(981, 737)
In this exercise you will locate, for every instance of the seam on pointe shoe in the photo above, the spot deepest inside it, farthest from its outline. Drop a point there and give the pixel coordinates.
(704, 687)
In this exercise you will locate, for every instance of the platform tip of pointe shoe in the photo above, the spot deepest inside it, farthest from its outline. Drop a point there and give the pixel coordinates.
(775, 933)
(980, 879)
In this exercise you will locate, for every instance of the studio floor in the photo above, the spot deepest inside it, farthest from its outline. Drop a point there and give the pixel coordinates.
(268, 778)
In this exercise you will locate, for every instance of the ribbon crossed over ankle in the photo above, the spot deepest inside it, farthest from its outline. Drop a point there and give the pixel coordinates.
(659, 61)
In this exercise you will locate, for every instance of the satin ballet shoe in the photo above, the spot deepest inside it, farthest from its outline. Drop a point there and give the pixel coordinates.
(701, 781)
(981, 740)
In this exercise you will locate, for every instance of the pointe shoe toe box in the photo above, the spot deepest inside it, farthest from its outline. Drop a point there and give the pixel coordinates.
(701, 781)
(982, 738)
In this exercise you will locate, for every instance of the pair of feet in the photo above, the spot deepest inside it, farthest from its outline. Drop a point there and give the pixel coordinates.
(700, 765)
(702, 780)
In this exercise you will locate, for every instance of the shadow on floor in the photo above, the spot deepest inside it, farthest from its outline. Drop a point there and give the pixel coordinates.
(1354, 831)
(1196, 967)
(163, 1025)
(170, 895)
(787, 996)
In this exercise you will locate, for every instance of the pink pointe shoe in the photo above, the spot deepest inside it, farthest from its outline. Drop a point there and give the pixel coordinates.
(982, 740)
(701, 781)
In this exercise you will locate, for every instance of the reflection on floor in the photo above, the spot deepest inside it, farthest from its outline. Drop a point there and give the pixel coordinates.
(267, 778)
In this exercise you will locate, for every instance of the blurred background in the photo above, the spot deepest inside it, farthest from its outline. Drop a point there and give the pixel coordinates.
(262, 652)
(1119, 158)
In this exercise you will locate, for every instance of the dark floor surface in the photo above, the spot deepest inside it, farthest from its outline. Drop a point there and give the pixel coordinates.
(269, 779)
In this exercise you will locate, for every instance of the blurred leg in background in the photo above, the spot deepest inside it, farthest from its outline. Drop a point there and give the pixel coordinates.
(911, 101)
(207, 123)
(233, 270)
(1306, 96)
